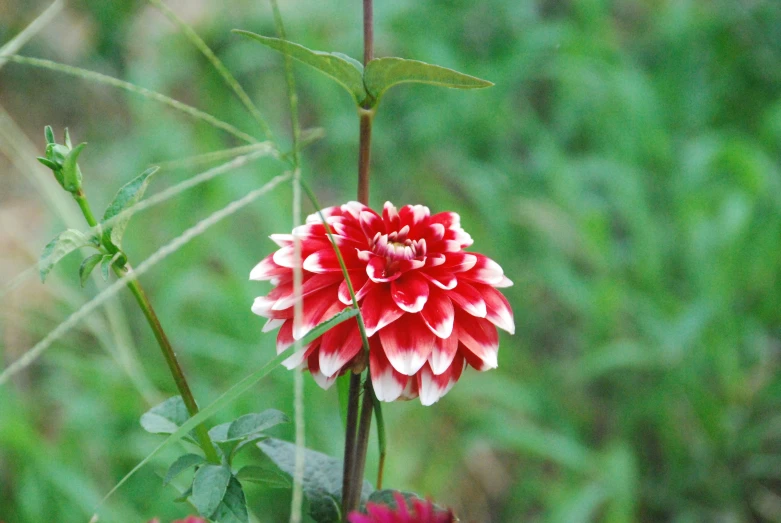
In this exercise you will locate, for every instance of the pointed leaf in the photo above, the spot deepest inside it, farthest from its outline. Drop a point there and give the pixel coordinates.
(48, 132)
(87, 266)
(183, 497)
(68, 139)
(322, 477)
(383, 73)
(166, 417)
(209, 486)
(71, 174)
(265, 475)
(181, 464)
(63, 244)
(105, 265)
(346, 71)
(130, 194)
(250, 424)
(233, 508)
(48, 163)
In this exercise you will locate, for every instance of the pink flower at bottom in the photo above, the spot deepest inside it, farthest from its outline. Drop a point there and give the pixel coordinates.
(188, 519)
(429, 307)
(422, 512)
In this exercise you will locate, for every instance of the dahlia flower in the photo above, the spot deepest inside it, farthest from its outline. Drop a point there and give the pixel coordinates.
(429, 307)
(422, 512)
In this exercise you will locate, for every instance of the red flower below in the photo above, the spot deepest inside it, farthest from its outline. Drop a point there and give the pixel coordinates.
(422, 512)
(429, 307)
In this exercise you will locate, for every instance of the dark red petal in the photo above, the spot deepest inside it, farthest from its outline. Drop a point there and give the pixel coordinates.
(390, 217)
(498, 308)
(438, 313)
(407, 343)
(371, 224)
(338, 346)
(410, 292)
(443, 353)
(479, 336)
(388, 383)
(468, 299)
(378, 309)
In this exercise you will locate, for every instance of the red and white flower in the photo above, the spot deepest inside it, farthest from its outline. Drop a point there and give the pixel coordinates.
(429, 307)
(422, 512)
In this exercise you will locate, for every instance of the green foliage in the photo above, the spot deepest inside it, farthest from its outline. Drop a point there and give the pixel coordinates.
(209, 486)
(182, 463)
(264, 475)
(63, 244)
(383, 73)
(322, 478)
(346, 71)
(127, 196)
(86, 267)
(166, 417)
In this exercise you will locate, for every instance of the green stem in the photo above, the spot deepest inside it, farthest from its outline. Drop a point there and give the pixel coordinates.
(165, 345)
(382, 440)
(362, 444)
(351, 428)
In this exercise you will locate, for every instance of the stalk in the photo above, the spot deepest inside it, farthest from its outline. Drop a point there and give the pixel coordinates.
(162, 340)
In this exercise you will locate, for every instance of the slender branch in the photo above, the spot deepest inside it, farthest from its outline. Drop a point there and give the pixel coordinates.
(383, 443)
(173, 363)
(162, 340)
(364, 154)
(362, 443)
(351, 426)
(368, 31)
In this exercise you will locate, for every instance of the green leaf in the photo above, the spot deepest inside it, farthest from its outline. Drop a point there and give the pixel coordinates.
(322, 477)
(233, 508)
(165, 418)
(209, 486)
(105, 265)
(87, 266)
(181, 464)
(184, 495)
(207, 412)
(127, 196)
(346, 71)
(48, 163)
(383, 73)
(48, 132)
(68, 142)
(265, 475)
(63, 244)
(250, 424)
(71, 174)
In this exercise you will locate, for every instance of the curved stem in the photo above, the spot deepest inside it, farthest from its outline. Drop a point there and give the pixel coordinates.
(162, 340)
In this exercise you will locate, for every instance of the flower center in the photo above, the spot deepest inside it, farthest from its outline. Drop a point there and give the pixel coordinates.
(396, 246)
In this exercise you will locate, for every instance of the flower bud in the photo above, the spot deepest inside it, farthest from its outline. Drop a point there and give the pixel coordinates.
(62, 160)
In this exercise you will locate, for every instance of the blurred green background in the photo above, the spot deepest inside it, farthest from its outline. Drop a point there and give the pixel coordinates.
(624, 171)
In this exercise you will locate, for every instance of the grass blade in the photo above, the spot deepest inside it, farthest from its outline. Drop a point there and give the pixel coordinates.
(41, 21)
(227, 77)
(127, 86)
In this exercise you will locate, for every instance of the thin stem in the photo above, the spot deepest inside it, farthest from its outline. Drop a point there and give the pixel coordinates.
(362, 443)
(81, 199)
(364, 154)
(173, 363)
(349, 441)
(162, 339)
(368, 31)
(382, 440)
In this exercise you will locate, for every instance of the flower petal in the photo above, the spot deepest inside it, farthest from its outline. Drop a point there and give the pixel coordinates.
(388, 383)
(371, 223)
(325, 382)
(442, 279)
(361, 285)
(442, 354)
(267, 269)
(438, 313)
(468, 299)
(318, 307)
(378, 272)
(485, 271)
(432, 387)
(459, 261)
(479, 337)
(338, 346)
(312, 284)
(410, 292)
(407, 343)
(321, 261)
(498, 308)
(378, 309)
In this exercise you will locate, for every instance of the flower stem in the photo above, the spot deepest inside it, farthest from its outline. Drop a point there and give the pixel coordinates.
(362, 442)
(383, 444)
(162, 339)
(364, 154)
(351, 427)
